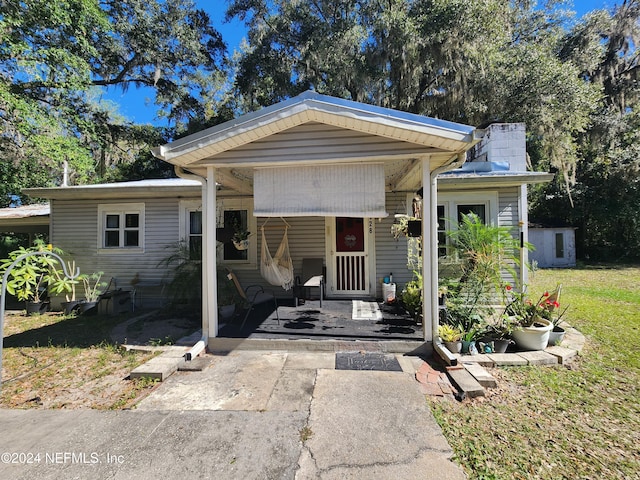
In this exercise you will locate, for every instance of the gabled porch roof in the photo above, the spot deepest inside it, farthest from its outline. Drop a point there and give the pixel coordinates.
(314, 129)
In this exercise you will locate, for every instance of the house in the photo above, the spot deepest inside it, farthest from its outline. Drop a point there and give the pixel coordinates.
(338, 171)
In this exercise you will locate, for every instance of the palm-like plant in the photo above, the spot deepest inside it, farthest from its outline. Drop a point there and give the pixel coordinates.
(484, 253)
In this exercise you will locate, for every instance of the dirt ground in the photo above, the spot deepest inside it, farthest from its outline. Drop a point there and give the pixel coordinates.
(53, 362)
(155, 328)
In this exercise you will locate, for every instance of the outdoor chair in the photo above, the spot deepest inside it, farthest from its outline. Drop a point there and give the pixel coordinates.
(253, 295)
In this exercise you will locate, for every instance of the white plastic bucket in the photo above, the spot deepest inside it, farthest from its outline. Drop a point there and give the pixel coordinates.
(389, 292)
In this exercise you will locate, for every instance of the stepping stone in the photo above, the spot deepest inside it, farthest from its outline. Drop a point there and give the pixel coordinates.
(158, 368)
(561, 353)
(505, 359)
(539, 358)
(483, 377)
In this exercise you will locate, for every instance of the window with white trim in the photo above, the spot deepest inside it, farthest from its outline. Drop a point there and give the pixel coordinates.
(237, 214)
(191, 227)
(452, 206)
(121, 227)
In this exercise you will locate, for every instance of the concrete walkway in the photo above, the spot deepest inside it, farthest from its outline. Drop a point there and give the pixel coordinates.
(248, 415)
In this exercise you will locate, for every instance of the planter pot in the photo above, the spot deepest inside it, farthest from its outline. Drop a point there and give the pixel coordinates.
(556, 336)
(469, 347)
(241, 244)
(87, 308)
(69, 307)
(535, 337)
(36, 308)
(501, 345)
(453, 347)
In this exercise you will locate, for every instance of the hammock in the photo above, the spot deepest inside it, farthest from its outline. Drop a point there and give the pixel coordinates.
(277, 270)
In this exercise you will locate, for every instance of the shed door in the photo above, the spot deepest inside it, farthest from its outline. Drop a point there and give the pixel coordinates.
(349, 263)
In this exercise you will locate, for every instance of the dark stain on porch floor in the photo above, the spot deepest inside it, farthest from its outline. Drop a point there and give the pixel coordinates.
(332, 321)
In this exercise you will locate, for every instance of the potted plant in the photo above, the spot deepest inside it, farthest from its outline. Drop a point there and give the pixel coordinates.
(62, 284)
(532, 319)
(92, 286)
(241, 239)
(30, 278)
(451, 337)
(556, 335)
(500, 332)
(411, 297)
(469, 338)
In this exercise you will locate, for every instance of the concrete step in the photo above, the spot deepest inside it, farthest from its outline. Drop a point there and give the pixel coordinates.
(162, 366)
(224, 345)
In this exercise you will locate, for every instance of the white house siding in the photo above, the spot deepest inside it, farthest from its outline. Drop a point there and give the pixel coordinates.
(306, 240)
(74, 228)
(391, 254)
(508, 216)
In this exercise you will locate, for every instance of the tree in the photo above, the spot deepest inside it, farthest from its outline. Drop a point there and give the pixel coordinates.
(606, 193)
(462, 60)
(56, 59)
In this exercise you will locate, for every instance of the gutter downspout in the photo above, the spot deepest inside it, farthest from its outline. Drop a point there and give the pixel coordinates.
(201, 344)
(438, 347)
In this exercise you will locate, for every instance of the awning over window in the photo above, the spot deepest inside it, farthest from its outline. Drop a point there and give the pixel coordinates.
(354, 190)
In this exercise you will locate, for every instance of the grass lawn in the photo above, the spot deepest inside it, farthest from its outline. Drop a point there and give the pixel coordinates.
(53, 361)
(580, 421)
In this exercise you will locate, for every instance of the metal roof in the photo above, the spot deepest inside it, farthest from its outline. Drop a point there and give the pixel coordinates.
(25, 218)
(25, 211)
(134, 189)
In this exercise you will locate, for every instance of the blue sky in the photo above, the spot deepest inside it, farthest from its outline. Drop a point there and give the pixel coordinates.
(137, 104)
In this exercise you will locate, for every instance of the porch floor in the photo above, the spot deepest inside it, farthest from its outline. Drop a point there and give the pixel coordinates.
(331, 322)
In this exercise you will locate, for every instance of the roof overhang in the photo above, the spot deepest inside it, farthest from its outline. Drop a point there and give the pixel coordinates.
(25, 219)
(469, 181)
(176, 187)
(429, 134)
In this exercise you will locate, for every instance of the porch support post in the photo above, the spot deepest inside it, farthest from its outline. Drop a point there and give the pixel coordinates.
(209, 261)
(429, 270)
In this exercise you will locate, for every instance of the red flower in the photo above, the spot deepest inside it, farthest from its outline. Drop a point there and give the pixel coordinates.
(545, 294)
(556, 304)
(508, 288)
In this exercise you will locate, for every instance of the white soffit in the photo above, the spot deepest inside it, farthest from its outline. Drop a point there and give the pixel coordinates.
(352, 190)
(309, 107)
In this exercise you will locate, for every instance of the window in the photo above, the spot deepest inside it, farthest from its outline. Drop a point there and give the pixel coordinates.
(454, 205)
(194, 234)
(560, 245)
(237, 221)
(442, 233)
(232, 213)
(237, 214)
(121, 227)
(191, 227)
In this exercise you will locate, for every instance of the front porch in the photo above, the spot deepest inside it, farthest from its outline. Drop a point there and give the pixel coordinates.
(331, 327)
